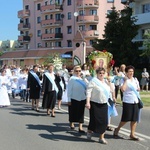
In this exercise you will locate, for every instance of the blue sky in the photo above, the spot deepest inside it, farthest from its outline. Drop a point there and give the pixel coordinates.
(9, 20)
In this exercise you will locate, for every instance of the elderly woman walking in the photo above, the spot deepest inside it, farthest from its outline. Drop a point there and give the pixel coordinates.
(98, 93)
(130, 87)
(76, 99)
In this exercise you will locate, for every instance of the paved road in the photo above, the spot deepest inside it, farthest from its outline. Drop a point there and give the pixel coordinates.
(22, 128)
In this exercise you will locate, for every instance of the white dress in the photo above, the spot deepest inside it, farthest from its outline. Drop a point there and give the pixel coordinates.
(4, 98)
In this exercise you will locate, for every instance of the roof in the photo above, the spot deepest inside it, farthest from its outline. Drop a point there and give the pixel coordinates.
(26, 54)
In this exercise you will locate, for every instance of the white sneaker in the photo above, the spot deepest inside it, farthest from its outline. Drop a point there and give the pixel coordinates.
(89, 135)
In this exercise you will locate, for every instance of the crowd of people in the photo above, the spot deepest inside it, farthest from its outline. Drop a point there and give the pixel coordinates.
(80, 90)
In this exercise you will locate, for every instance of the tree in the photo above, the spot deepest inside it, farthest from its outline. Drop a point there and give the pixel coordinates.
(146, 44)
(119, 31)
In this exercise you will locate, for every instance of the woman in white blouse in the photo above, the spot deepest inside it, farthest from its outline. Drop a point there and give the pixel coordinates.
(130, 112)
(76, 99)
(98, 92)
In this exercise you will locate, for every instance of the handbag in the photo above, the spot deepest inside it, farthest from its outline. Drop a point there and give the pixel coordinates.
(140, 104)
(110, 102)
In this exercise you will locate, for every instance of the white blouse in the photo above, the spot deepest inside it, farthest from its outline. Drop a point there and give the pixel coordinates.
(128, 95)
(96, 93)
(76, 90)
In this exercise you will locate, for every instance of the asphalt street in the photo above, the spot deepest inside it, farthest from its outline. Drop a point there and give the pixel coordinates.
(22, 128)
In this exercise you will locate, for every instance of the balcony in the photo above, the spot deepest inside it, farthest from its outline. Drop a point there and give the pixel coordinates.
(90, 34)
(51, 22)
(52, 36)
(23, 13)
(88, 19)
(23, 39)
(22, 26)
(87, 4)
(51, 8)
(142, 18)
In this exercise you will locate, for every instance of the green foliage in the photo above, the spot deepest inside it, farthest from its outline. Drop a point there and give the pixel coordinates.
(1, 53)
(118, 34)
(146, 44)
(50, 58)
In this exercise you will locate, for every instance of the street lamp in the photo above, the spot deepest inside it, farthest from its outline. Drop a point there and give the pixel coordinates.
(83, 44)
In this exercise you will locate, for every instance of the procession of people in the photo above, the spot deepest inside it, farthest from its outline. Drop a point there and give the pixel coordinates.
(79, 90)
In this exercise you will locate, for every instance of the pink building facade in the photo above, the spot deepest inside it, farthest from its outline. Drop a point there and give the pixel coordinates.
(64, 26)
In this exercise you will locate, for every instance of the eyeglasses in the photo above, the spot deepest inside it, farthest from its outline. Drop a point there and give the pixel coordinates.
(101, 73)
(78, 71)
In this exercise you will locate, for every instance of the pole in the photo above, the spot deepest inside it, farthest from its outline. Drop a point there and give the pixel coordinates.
(84, 44)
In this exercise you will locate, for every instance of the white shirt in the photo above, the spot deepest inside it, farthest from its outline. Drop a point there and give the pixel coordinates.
(22, 81)
(96, 93)
(129, 96)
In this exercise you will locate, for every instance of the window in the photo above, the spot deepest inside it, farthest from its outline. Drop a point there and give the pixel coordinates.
(26, 21)
(69, 29)
(146, 8)
(58, 2)
(82, 27)
(38, 33)
(46, 3)
(93, 12)
(81, 12)
(27, 33)
(57, 30)
(91, 42)
(51, 44)
(27, 7)
(46, 44)
(69, 43)
(46, 31)
(51, 31)
(51, 2)
(68, 2)
(51, 16)
(69, 15)
(39, 45)
(38, 19)
(110, 1)
(93, 27)
(26, 46)
(38, 6)
(57, 44)
(46, 17)
(109, 11)
(58, 17)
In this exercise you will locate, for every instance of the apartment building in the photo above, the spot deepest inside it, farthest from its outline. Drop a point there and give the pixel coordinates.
(141, 11)
(68, 27)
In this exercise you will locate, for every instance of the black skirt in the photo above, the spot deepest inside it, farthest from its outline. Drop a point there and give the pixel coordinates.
(59, 94)
(98, 117)
(49, 100)
(35, 93)
(76, 111)
(130, 112)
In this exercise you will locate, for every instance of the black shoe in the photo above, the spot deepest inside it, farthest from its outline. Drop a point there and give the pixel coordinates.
(72, 128)
(81, 131)
(53, 116)
(37, 110)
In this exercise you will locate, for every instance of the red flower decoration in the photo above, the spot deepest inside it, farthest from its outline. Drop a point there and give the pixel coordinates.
(112, 62)
(104, 51)
(93, 62)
